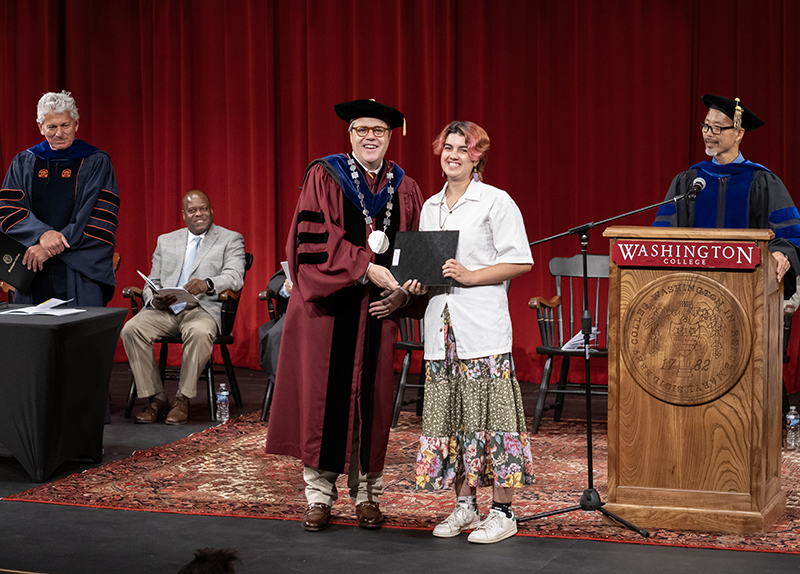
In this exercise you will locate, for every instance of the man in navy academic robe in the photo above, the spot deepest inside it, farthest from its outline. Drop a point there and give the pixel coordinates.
(738, 194)
(60, 199)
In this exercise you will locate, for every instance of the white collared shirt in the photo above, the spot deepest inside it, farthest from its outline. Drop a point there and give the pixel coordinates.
(491, 231)
(372, 172)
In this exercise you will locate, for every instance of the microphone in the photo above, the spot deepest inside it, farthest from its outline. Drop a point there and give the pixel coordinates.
(697, 186)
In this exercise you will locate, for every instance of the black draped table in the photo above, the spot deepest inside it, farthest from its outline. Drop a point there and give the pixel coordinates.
(54, 375)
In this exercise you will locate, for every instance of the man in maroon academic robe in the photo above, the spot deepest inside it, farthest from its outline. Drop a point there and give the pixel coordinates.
(334, 387)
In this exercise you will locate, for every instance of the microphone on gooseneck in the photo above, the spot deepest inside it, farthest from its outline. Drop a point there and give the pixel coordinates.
(697, 186)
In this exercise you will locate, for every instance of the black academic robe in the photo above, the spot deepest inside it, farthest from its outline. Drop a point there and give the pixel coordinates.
(91, 224)
(742, 195)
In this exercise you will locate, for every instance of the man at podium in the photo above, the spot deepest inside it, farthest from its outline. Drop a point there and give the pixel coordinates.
(728, 191)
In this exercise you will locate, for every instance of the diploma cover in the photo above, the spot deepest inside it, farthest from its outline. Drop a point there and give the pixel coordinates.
(420, 255)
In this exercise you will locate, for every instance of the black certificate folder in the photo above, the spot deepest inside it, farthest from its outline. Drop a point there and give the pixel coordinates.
(12, 271)
(420, 255)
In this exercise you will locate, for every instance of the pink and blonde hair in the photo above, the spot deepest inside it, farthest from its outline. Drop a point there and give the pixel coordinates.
(477, 142)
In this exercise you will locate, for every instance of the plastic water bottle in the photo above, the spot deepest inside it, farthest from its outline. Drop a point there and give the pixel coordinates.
(792, 429)
(223, 403)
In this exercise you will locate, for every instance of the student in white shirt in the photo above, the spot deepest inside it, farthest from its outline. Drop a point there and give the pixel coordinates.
(473, 431)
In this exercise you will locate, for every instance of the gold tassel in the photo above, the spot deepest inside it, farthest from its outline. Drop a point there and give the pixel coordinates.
(737, 115)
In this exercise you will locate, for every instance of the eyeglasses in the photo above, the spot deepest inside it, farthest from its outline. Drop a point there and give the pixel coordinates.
(362, 131)
(716, 130)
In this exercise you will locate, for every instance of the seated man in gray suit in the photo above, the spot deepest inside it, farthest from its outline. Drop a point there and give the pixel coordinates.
(205, 259)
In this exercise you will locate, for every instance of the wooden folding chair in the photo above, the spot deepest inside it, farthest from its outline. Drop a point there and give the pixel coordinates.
(559, 318)
(230, 304)
(412, 338)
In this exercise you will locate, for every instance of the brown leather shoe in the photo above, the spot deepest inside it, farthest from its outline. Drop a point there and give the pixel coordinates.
(369, 515)
(316, 517)
(155, 411)
(179, 413)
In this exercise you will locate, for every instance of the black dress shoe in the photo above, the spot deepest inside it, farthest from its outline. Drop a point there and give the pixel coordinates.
(316, 517)
(369, 515)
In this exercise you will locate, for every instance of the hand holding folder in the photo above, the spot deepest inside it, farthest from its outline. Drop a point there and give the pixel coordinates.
(12, 271)
(420, 255)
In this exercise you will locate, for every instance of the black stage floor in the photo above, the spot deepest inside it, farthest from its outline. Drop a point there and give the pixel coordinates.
(62, 539)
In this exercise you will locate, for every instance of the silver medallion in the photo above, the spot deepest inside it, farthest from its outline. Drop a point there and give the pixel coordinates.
(378, 242)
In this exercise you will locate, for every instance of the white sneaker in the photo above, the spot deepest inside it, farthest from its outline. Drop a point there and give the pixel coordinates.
(494, 528)
(462, 518)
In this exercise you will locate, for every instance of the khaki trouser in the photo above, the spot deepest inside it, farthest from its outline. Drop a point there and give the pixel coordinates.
(195, 327)
(321, 484)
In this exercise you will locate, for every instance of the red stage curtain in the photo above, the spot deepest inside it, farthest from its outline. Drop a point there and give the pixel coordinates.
(592, 107)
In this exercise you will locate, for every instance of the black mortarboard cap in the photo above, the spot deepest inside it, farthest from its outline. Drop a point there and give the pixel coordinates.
(350, 111)
(727, 106)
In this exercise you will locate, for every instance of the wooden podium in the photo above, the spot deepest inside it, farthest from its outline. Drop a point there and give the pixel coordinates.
(695, 375)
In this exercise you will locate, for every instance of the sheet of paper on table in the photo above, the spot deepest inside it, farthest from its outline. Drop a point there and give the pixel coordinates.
(46, 308)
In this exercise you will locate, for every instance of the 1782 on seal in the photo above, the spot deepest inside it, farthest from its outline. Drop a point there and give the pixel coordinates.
(686, 339)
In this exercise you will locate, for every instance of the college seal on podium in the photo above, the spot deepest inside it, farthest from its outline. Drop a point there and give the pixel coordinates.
(686, 339)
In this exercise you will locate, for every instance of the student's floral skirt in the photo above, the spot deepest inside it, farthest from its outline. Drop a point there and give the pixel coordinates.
(473, 424)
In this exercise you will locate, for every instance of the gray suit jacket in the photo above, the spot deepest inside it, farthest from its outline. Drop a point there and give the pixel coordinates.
(220, 258)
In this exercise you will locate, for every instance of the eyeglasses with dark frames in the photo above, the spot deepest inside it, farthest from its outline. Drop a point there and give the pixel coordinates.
(716, 130)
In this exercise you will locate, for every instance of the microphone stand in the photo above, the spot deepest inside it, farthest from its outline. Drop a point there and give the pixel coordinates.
(590, 500)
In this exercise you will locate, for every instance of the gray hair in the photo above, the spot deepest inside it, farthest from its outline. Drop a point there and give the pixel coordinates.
(56, 103)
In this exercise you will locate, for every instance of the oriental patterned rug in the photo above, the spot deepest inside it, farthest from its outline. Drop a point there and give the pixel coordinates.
(223, 471)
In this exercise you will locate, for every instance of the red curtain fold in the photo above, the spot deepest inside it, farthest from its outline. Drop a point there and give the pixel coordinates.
(592, 106)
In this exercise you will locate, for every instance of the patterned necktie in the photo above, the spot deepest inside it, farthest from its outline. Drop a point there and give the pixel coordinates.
(188, 262)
